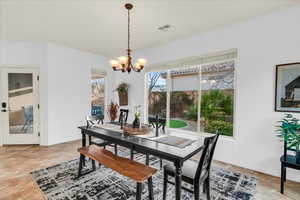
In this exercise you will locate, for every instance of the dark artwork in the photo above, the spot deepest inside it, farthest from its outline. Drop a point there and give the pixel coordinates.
(58, 183)
(287, 98)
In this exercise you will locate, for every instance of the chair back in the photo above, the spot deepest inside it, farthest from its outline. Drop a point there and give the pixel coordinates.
(123, 116)
(206, 157)
(157, 123)
(28, 112)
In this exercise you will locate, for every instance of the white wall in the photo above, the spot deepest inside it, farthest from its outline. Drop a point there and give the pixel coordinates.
(262, 43)
(33, 55)
(69, 93)
(65, 76)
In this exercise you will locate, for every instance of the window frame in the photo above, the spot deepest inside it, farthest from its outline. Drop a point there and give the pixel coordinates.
(168, 91)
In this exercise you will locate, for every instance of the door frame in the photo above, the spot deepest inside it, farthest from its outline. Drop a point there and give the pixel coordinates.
(36, 71)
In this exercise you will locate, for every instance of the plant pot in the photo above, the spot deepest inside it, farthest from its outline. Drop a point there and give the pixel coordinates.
(123, 98)
(136, 123)
(298, 156)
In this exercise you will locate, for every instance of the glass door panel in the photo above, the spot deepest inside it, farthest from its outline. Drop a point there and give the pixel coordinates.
(20, 103)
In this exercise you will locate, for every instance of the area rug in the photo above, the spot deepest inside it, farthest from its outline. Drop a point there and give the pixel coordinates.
(59, 182)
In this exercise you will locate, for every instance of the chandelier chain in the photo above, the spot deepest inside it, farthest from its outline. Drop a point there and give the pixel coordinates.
(128, 31)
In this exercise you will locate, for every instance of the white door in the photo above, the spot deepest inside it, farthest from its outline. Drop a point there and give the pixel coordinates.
(19, 106)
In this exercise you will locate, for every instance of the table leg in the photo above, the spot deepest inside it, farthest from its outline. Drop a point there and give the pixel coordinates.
(178, 179)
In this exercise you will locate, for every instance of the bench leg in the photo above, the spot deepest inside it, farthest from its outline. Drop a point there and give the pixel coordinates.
(150, 188)
(138, 191)
(81, 158)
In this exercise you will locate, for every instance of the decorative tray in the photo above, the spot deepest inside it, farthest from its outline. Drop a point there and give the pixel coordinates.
(143, 130)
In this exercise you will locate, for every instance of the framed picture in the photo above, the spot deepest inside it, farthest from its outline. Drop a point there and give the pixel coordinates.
(287, 88)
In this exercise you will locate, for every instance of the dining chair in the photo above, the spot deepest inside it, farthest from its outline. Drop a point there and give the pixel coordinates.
(102, 143)
(28, 114)
(194, 173)
(123, 117)
(159, 127)
(287, 161)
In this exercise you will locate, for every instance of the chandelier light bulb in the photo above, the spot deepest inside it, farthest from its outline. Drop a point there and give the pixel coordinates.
(114, 63)
(142, 61)
(137, 66)
(123, 60)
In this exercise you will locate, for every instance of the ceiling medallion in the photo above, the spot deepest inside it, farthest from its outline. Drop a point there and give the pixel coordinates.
(124, 63)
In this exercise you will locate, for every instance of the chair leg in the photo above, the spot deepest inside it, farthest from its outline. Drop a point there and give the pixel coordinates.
(150, 188)
(90, 140)
(196, 192)
(282, 180)
(165, 186)
(161, 163)
(131, 154)
(138, 191)
(207, 188)
(147, 159)
(80, 165)
(94, 165)
(116, 149)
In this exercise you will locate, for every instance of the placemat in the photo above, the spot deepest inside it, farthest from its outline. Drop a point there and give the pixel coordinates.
(175, 141)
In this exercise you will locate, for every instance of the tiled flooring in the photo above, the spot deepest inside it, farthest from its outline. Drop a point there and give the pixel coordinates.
(16, 162)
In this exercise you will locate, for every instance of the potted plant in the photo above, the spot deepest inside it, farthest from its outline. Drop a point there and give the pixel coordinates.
(112, 111)
(289, 131)
(123, 94)
(137, 115)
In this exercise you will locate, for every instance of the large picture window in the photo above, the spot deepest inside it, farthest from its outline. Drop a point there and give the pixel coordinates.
(157, 94)
(198, 98)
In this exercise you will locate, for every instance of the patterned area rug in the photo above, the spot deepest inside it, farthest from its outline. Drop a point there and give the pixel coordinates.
(59, 182)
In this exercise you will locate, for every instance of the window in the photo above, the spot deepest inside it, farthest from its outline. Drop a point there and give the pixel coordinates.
(98, 95)
(157, 94)
(184, 98)
(199, 98)
(217, 95)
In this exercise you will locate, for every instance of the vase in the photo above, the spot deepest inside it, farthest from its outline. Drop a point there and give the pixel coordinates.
(136, 123)
(298, 156)
(123, 98)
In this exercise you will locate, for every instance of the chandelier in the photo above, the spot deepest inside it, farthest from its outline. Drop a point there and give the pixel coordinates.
(124, 63)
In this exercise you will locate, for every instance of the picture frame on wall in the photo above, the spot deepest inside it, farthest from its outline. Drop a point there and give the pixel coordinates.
(287, 87)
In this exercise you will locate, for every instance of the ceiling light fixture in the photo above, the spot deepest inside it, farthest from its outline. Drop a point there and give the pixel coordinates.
(124, 63)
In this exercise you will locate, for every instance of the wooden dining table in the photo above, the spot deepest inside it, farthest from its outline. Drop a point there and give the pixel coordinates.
(148, 146)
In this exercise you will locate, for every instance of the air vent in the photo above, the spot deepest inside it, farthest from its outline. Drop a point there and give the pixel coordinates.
(164, 27)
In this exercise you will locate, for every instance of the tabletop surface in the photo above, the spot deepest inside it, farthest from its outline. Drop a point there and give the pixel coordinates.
(148, 141)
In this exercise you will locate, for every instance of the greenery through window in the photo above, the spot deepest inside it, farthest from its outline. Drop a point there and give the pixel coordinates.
(211, 86)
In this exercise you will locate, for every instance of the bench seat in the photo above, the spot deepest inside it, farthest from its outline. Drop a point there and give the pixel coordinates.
(129, 168)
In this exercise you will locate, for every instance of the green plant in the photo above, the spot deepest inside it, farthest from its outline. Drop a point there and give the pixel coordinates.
(289, 130)
(192, 113)
(137, 112)
(216, 101)
(123, 87)
(221, 127)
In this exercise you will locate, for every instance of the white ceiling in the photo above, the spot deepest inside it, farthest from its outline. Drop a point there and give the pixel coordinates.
(100, 26)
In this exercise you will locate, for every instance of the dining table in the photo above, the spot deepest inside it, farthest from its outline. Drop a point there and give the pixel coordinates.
(149, 144)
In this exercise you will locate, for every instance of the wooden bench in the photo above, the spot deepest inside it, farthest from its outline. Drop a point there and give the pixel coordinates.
(129, 168)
